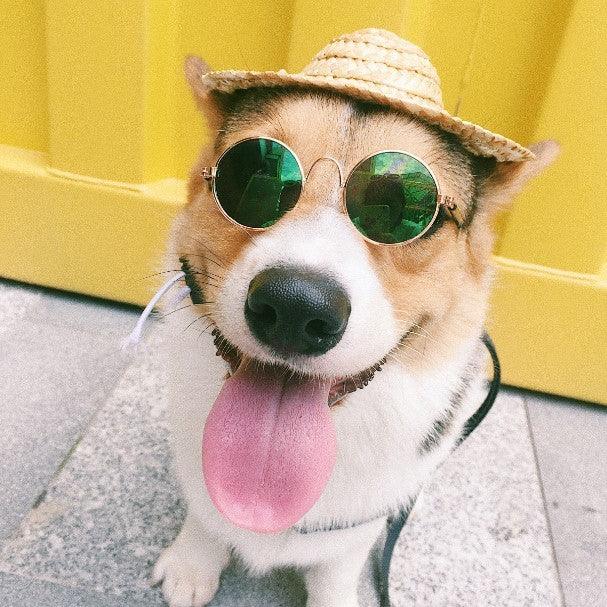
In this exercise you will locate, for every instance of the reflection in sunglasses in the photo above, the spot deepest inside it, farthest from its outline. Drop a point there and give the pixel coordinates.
(391, 197)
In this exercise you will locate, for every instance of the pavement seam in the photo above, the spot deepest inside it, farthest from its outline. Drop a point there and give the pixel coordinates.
(544, 502)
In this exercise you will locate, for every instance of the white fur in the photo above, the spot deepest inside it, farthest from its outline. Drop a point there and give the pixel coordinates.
(379, 428)
(325, 241)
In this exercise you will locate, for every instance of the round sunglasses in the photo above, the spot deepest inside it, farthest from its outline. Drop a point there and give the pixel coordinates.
(391, 197)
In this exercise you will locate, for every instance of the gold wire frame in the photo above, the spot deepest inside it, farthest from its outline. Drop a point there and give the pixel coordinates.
(448, 202)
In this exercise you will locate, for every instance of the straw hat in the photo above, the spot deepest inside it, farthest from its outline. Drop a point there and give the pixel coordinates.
(377, 65)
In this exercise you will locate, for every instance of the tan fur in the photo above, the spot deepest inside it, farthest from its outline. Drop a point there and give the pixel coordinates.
(510, 178)
(438, 285)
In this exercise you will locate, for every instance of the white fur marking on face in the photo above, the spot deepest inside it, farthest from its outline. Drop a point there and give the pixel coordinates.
(324, 241)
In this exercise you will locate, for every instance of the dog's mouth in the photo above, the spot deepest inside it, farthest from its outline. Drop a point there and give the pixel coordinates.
(269, 443)
(340, 388)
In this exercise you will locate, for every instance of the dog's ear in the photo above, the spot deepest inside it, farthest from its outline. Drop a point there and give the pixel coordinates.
(212, 104)
(504, 180)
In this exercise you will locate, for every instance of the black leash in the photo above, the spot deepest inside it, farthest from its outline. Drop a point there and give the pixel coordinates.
(396, 524)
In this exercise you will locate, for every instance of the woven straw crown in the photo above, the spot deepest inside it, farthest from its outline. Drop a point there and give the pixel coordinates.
(377, 65)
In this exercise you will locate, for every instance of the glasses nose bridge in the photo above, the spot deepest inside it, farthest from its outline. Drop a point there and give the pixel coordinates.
(337, 164)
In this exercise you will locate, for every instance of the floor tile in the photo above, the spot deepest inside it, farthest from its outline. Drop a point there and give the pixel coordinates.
(571, 440)
(52, 380)
(17, 591)
(43, 306)
(571, 443)
(580, 541)
(16, 303)
(113, 506)
(479, 533)
(87, 314)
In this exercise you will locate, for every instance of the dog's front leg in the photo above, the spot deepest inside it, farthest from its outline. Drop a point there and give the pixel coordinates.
(191, 566)
(334, 583)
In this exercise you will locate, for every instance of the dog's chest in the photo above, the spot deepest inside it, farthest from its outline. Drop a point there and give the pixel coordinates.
(380, 430)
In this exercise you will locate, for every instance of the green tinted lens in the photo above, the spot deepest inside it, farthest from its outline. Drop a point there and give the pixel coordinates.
(257, 182)
(391, 197)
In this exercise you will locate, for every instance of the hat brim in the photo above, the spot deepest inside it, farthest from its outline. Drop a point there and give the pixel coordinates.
(474, 138)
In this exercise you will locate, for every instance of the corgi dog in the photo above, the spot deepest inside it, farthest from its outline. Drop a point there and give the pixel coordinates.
(337, 356)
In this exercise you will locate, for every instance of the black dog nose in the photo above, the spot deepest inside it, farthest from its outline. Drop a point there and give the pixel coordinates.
(297, 311)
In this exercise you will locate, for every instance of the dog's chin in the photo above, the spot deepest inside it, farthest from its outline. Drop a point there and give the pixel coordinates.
(342, 384)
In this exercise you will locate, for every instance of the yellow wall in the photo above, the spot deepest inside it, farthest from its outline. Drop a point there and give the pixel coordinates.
(23, 94)
(568, 206)
(98, 131)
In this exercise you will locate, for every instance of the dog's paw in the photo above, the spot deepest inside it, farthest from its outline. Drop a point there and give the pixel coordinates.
(186, 581)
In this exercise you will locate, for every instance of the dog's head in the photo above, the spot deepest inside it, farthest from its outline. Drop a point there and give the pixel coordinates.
(310, 298)
(310, 293)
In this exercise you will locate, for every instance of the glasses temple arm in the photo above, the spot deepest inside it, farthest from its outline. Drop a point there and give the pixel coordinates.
(448, 202)
(208, 172)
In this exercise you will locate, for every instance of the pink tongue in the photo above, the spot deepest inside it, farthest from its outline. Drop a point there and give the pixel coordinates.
(268, 448)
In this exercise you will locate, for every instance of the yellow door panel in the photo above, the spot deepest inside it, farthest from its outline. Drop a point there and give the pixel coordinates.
(97, 90)
(561, 221)
(23, 94)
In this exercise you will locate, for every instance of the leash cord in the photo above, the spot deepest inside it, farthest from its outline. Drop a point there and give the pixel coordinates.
(396, 524)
